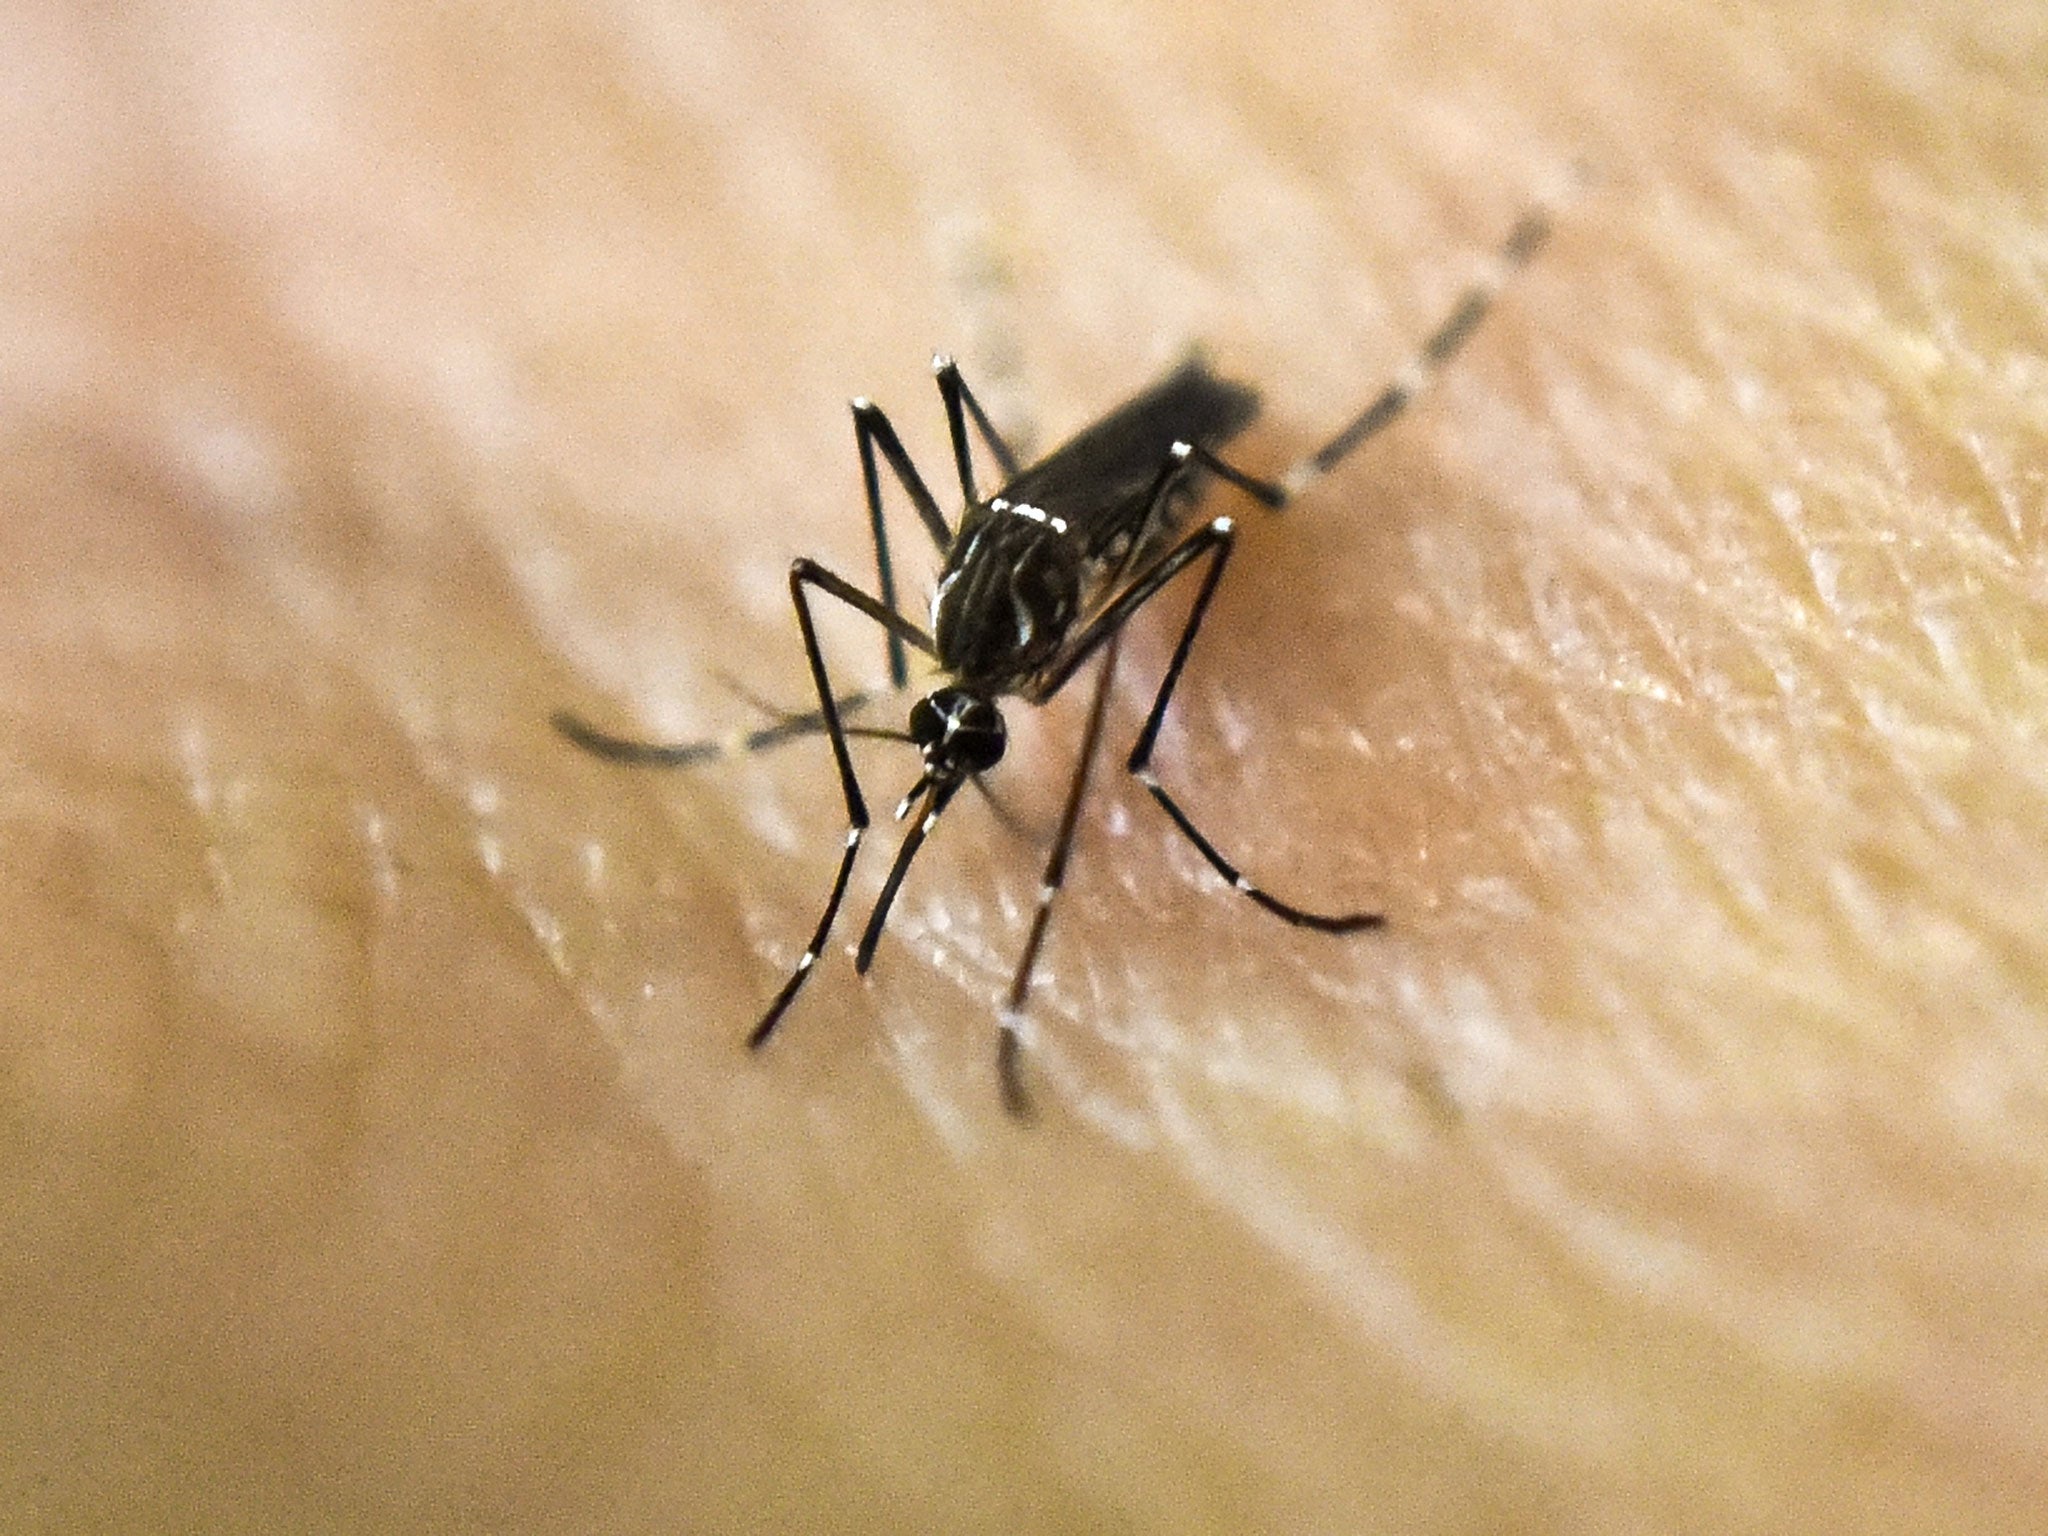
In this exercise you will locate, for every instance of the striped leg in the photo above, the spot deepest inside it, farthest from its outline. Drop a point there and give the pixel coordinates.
(1528, 236)
(1008, 1070)
(805, 574)
(1217, 537)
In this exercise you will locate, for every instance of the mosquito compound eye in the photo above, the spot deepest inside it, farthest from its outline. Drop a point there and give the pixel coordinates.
(927, 723)
(978, 738)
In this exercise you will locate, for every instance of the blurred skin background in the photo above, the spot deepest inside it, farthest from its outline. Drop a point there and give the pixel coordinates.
(378, 1149)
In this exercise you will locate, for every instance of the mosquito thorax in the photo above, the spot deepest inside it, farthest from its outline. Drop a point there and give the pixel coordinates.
(959, 731)
(1006, 601)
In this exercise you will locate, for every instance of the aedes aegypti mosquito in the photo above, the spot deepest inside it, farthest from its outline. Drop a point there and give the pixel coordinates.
(1035, 581)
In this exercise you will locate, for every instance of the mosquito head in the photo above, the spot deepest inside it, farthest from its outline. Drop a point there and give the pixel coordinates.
(960, 732)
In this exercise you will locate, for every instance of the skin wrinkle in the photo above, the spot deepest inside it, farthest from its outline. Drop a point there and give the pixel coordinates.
(378, 1148)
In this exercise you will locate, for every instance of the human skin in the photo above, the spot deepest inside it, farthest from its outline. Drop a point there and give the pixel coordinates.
(379, 1151)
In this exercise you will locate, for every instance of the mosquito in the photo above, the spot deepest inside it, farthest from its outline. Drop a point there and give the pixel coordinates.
(1035, 581)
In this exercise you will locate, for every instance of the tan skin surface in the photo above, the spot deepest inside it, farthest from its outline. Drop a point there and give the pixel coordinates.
(378, 1149)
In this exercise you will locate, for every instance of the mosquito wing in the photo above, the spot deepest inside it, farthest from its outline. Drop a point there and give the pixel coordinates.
(1097, 480)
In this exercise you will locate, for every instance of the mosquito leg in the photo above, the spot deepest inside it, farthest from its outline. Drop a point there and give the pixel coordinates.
(789, 726)
(872, 431)
(936, 801)
(803, 575)
(848, 702)
(954, 391)
(1529, 235)
(1008, 1070)
(648, 754)
(1217, 537)
(1265, 492)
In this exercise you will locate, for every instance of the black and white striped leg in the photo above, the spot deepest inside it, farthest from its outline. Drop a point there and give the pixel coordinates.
(1009, 1071)
(805, 574)
(1218, 537)
(954, 392)
(1514, 253)
(872, 431)
(1266, 492)
(938, 797)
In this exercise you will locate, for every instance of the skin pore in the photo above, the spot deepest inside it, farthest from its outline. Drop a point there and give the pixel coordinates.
(379, 1148)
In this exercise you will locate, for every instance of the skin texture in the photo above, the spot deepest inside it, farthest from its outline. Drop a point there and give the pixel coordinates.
(377, 1150)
